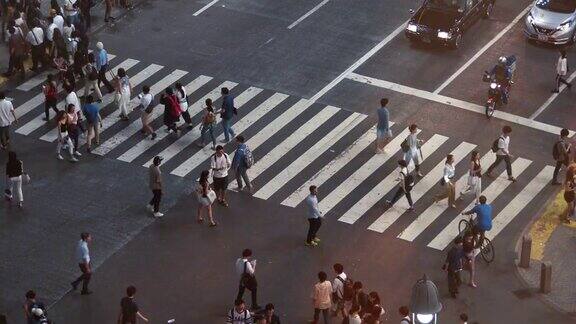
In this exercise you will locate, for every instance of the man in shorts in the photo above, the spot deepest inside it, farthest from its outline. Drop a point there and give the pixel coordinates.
(220, 163)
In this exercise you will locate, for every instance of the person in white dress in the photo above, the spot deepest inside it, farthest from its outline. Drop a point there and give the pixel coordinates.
(123, 93)
(474, 184)
(183, 100)
(413, 152)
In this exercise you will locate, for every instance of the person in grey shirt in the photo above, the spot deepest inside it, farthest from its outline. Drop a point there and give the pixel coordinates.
(314, 217)
(83, 255)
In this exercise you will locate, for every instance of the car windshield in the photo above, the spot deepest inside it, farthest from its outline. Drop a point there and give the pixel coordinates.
(458, 5)
(561, 6)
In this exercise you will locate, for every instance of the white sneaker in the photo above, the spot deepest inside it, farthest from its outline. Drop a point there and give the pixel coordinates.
(59, 157)
(77, 153)
(150, 208)
(158, 214)
(73, 159)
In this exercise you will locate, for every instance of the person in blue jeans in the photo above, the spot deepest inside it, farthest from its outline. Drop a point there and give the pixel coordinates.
(239, 164)
(483, 220)
(228, 111)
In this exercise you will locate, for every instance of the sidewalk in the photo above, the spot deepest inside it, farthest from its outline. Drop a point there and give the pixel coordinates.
(553, 241)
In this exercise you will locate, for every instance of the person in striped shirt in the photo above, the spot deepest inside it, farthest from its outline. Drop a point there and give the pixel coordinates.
(239, 314)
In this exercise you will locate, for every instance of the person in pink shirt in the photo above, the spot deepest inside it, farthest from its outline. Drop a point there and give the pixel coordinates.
(321, 297)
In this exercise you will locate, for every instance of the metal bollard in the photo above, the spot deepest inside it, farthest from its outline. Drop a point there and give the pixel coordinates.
(546, 277)
(525, 252)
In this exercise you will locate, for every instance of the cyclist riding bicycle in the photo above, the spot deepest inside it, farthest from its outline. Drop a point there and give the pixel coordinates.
(483, 221)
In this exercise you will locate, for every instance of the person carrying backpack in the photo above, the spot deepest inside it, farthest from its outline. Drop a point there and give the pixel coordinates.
(342, 290)
(561, 153)
(91, 77)
(501, 147)
(406, 183)
(241, 162)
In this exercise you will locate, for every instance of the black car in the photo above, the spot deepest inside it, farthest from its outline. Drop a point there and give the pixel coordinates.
(444, 21)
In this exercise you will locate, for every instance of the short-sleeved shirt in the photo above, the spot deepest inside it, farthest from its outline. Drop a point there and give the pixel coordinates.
(35, 36)
(383, 118)
(483, 216)
(82, 252)
(129, 310)
(91, 113)
(6, 113)
(503, 144)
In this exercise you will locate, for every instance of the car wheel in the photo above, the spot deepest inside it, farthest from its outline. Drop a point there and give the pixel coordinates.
(457, 41)
(488, 10)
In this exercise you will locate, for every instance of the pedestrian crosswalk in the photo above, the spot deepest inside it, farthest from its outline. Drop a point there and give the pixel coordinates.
(297, 143)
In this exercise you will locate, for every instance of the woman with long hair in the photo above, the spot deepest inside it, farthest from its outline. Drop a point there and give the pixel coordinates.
(123, 93)
(206, 197)
(183, 100)
(14, 171)
(474, 177)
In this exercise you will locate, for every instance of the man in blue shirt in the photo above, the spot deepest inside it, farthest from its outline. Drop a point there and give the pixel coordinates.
(314, 217)
(228, 111)
(239, 164)
(483, 221)
(92, 114)
(383, 133)
(102, 66)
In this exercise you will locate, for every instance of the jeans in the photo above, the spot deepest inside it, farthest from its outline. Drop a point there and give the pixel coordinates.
(499, 159)
(50, 103)
(208, 128)
(253, 292)
(84, 277)
(227, 129)
(155, 202)
(74, 133)
(399, 193)
(16, 182)
(241, 174)
(314, 226)
(324, 314)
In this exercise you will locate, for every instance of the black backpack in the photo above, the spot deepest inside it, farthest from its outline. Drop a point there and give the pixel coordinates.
(495, 147)
(408, 181)
(347, 288)
(405, 146)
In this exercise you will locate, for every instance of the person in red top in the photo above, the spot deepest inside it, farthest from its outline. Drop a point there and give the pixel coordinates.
(172, 109)
(50, 96)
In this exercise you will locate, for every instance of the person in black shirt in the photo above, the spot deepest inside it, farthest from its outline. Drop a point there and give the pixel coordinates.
(453, 266)
(360, 298)
(129, 309)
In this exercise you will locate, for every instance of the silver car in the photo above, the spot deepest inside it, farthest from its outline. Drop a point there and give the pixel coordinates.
(552, 21)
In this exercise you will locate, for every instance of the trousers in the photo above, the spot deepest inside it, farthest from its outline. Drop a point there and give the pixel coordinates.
(313, 227)
(499, 159)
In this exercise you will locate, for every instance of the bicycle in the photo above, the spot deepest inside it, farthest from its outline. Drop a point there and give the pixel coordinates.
(486, 248)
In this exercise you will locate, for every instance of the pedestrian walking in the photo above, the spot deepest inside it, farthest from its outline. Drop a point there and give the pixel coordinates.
(561, 71)
(205, 196)
(226, 113)
(183, 101)
(338, 286)
(220, 164)
(314, 217)
(375, 310)
(50, 91)
(64, 140)
(72, 99)
(246, 270)
(73, 128)
(83, 254)
(94, 122)
(7, 118)
(35, 38)
(321, 298)
(31, 304)
(239, 314)
(147, 109)
(155, 184)
(453, 266)
(561, 153)
(411, 148)
(91, 77)
(447, 183)
(470, 251)
(102, 66)
(405, 185)
(474, 183)
(172, 110)
(501, 148)
(241, 162)
(123, 92)
(129, 310)
(208, 123)
(570, 193)
(405, 313)
(14, 175)
(85, 7)
(383, 131)
(17, 48)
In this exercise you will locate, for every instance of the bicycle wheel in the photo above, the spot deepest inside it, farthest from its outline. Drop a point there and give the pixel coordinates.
(463, 226)
(487, 250)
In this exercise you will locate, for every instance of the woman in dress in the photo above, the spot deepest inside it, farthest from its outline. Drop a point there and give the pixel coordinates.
(474, 185)
(123, 92)
(183, 100)
(413, 153)
(204, 194)
(14, 171)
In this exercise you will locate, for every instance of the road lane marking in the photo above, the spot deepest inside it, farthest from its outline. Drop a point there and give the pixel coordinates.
(441, 241)
(457, 103)
(427, 217)
(210, 4)
(552, 98)
(306, 15)
(359, 62)
(306, 158)
(379, 191)
(430, 180)
(482, 50)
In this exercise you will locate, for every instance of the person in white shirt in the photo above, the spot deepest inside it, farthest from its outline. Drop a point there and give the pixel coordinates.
(83, 255)
(7, 117)
(50, 36)
(245, 269)
(35, 38)
(561, 71)
(239, 314)
(446, 181)
(405, 184)
(338, 289)
(220, 163)
(71, 11)
(411, 147)
(57, 19)
(503, 154)
(147, 109)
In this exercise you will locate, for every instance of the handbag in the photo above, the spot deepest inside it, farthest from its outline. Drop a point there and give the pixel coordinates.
(211, 195)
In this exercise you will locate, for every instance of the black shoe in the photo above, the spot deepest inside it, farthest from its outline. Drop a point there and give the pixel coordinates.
(154, 136)
(86, 292)
(74, 285)
(555, 91)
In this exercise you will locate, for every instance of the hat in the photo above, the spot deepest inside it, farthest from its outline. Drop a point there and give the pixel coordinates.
(99, 45)
(37, 311)
(158, 159)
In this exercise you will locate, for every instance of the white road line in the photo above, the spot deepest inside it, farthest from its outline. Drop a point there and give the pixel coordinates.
(387, 184)
(441, 241)
(213, 2)
(482, 50)
(430, 180)
(136, 125)
(204, 154)
(520, 202)
(360, 61)
(306, 15)
(332, 167)
(552, 98)
(38, 121)
(112, 118)
(292, 141)
(434, 211)
(319, 148)
(362, 173)
(452, 102)
(194, 109)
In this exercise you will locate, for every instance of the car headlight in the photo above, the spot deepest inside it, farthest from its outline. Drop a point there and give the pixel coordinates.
(565, 25)
(530, 18)
(412, 27)
(444, 35)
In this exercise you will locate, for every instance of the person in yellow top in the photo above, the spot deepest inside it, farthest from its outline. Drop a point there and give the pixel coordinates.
(321, 297)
